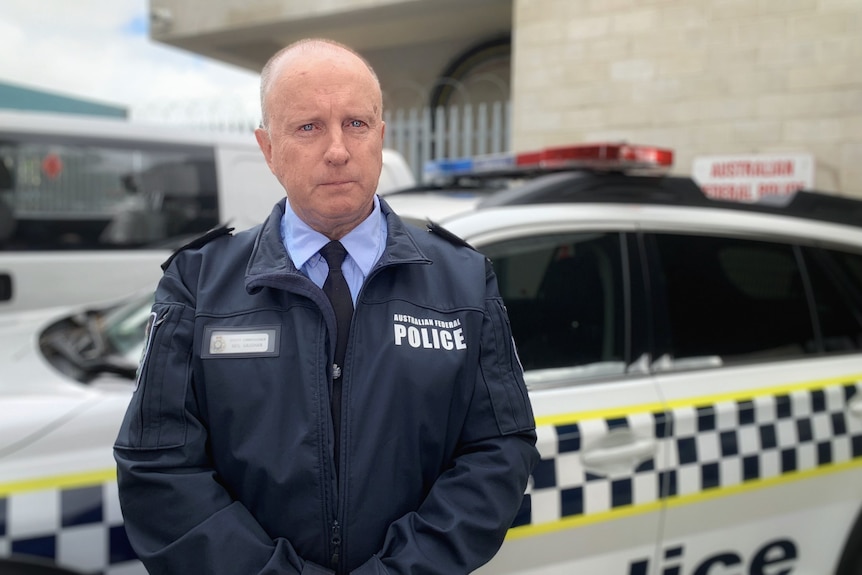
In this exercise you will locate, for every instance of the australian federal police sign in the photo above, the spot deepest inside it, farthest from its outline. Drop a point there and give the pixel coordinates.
(428, 333)
(753, 177)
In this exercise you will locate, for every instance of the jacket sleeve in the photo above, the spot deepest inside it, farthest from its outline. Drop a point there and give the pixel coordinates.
(462, 522)
(178, 517)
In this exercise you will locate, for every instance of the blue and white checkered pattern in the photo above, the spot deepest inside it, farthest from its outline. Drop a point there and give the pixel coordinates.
(79, 528)
(698, 448)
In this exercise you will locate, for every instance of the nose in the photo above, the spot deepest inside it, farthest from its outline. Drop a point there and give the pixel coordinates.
(336, 152)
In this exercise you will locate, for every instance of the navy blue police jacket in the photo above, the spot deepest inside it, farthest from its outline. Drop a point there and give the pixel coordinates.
(225, 456)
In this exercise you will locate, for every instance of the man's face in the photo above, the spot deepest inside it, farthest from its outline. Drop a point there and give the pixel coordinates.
(324, 139)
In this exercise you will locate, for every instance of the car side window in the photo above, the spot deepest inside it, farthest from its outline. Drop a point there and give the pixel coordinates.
(836, 282)
(564, 296)
(732, 299)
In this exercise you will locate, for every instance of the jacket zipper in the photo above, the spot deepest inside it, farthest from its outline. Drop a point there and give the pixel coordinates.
(336, 543)
(335, 539)
(337, 394)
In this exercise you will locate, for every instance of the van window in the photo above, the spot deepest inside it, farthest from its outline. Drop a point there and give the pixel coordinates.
(67, 193)
(564, 296)
(734, 299)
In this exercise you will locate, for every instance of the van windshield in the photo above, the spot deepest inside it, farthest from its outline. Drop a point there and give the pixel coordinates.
(62, 193)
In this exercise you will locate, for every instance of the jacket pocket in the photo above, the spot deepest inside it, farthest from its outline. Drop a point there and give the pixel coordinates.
(503, 374)
(155, 418)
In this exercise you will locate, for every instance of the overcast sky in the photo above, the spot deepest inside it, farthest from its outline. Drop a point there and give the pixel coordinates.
(100, 50)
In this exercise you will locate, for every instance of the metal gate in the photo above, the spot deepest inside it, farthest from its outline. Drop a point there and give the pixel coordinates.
(420, 134)
(424, 134)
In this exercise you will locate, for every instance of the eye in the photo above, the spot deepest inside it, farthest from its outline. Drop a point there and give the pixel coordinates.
(306, 127)
(356, 123)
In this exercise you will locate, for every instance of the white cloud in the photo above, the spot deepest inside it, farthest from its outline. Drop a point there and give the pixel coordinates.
(99, 50)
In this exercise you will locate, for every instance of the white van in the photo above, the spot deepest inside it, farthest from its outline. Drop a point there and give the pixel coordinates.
(90, 207)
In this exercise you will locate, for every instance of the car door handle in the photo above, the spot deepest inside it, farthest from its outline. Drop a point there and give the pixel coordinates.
(619, 452)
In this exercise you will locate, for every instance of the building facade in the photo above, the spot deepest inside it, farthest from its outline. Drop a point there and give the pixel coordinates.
(704, 77)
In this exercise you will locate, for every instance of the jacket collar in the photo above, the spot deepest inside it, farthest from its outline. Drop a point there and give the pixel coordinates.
(269, 264)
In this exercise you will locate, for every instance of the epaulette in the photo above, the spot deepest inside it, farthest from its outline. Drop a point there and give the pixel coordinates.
(214, 233)
(439, 230)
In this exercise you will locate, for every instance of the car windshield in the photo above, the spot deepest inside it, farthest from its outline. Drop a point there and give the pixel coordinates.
(123, 326)
(99, 341)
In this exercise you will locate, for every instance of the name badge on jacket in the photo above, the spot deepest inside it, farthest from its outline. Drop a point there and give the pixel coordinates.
(244, 341)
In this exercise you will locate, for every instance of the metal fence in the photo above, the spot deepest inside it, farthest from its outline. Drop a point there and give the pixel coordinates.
(420, 134)
(424, 134)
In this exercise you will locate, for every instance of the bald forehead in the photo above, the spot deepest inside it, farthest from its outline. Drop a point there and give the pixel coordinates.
(301, 57)
(299, 63)
(317, 49)
(294, 62)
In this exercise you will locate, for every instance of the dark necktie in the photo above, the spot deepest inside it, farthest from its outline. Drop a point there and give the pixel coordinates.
(336, 289)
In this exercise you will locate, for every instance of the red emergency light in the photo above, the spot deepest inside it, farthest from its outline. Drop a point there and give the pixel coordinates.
(601, 155)
(613, 156)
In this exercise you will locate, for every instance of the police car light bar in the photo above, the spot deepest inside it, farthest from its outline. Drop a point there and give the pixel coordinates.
(618, 156)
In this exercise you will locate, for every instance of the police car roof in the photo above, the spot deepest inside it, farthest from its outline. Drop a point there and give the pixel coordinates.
(612, 172)
(588, 186)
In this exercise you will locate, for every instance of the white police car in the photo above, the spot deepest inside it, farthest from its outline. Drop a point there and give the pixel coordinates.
(65, 382)
(695, 369)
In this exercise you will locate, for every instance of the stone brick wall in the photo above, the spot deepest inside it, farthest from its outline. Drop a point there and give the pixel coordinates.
(701, 76)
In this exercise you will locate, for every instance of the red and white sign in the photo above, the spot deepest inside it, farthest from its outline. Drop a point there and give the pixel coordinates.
(752, 177)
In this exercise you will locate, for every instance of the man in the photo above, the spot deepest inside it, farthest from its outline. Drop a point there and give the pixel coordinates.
(250, 446)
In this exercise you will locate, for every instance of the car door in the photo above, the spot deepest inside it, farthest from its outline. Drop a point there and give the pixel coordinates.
(575, 301)
(761, 390)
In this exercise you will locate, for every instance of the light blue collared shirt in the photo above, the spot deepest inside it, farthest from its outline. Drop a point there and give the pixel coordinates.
(364, 245)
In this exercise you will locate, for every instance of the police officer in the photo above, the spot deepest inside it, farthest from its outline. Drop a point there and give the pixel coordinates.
(250, 444)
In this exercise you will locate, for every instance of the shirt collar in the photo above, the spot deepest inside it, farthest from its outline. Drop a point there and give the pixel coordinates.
(363, 243)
